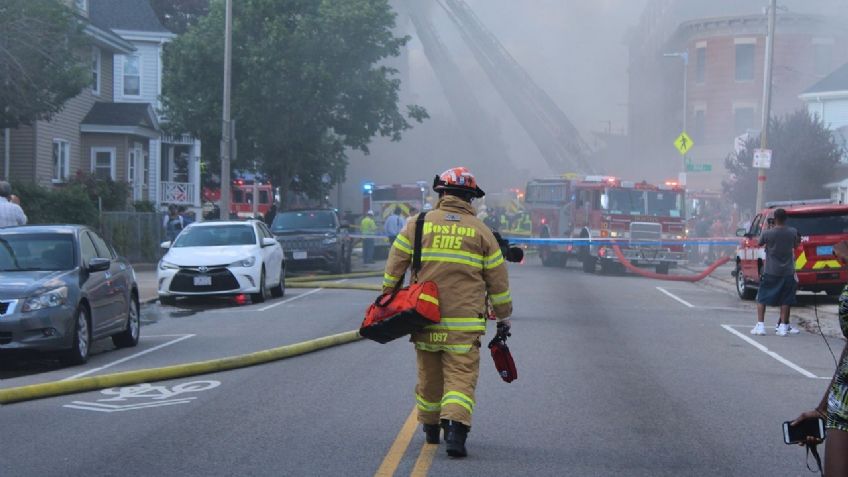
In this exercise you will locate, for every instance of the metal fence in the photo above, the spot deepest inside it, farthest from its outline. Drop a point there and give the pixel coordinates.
(135, 235)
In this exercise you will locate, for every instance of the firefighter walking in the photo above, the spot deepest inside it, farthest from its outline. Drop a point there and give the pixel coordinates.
(461, 255)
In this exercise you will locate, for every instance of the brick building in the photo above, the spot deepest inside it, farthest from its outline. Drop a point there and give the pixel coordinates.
(725, 77)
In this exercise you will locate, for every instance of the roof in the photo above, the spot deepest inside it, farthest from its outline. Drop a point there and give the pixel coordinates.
(43, 229)
(122, 114)
(814, 209)
(133, 15)
(836, 81)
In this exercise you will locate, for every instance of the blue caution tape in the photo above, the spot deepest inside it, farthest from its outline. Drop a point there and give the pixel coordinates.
(623, 242)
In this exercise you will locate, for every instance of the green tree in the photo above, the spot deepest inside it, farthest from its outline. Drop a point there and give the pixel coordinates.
(804, 158)
(308, 83)
(43, 59)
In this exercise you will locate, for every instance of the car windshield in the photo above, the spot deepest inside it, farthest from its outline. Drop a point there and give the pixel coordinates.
(819, 224)
(216, 236)
(321, 219)
(36, 252)
(625, 201)
(663, 203)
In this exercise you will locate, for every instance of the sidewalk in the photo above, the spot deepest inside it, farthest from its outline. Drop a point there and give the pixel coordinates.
(804, 314)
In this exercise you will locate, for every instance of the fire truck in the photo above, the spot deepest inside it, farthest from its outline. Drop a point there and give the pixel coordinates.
(384, 199)
(241, 202)
(601, 207)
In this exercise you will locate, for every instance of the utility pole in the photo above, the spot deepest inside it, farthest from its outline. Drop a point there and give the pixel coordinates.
(227, 129)
(685, 57)
(761, 175)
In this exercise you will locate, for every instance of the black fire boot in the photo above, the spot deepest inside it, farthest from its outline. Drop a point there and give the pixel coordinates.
(455, 434)
(432, 431)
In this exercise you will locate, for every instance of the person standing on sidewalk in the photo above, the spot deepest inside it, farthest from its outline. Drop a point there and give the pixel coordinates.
(11, 214)
(833, 407)
(778, 283)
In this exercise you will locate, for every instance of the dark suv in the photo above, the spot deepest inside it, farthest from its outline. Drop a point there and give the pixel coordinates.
(314, 238)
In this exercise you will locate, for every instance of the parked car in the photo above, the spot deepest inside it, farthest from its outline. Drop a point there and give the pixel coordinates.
(821, 224)
(63, 287)
(223, 259)
(314, 238)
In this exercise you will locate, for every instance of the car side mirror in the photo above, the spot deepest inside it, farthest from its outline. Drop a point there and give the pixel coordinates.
(99, 264)
(268, 242)
(165, 245)
(741, 232)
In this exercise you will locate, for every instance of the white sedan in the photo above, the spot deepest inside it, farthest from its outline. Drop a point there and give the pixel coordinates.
(222, 258)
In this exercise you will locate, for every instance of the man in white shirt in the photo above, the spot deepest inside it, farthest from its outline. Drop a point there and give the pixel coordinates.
(11, 214)
(394, 225)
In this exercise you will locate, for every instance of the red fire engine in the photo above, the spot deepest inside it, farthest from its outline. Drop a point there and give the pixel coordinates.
(600, 207)
(241, 202)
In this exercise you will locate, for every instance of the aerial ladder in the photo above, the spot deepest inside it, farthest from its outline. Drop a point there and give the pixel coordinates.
(556, 138)
(478, 126)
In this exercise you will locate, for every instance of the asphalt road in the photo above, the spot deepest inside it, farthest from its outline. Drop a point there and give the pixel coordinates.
(618, 375)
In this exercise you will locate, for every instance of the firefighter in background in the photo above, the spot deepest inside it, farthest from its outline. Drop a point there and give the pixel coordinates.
(368, 227)
(462, 256)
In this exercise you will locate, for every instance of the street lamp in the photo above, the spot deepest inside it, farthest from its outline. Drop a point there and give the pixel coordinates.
(685, 57)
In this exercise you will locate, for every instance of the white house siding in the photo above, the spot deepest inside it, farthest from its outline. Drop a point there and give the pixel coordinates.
(149, 54)
(835, 114)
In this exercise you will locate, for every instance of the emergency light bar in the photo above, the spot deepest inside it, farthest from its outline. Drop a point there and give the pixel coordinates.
(788, 203)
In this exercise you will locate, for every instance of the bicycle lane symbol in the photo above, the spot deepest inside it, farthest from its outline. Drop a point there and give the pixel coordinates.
(144, 396)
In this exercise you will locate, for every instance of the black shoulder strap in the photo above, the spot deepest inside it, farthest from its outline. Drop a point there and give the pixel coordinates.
(416, 251)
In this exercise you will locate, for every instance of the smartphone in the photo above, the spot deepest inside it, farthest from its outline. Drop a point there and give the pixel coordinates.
(813, 427)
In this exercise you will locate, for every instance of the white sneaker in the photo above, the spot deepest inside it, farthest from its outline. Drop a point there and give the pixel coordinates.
(792, 331)
(759, 330)
(782, 330)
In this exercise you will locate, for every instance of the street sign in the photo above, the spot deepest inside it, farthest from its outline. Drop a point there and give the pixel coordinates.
(762, 158)
(683, 143)
(692, 167)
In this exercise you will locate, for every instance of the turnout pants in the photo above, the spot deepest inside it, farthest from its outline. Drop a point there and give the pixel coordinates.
(446, 383)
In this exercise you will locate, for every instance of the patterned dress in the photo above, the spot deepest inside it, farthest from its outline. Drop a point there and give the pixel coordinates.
(837, 402)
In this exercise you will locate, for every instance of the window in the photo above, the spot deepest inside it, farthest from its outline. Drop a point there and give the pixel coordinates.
(743, 120)
(88, 250)
(103, 250)
(61, 160)
(132, 76)
(745, 61)
(700, 64)
(103, 163)
(264, 197)
(698, 132)
(95, 70)
(823, 58)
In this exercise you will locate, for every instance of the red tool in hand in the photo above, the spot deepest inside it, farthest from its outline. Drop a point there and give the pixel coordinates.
(501, 354)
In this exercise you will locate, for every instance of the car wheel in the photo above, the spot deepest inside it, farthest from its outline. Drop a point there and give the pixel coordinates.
(742, 289)
(81, 345)
(348, 265)
(129, 337)
(263, 291)
(280, 289)
(168, 300)
(663, 268)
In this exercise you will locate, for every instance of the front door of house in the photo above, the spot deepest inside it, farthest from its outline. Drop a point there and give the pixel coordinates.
(137, 171)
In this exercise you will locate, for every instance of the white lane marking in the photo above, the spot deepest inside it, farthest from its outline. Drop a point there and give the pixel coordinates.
(302, 295)
(774, 355)
(132, 356)
(675, 297)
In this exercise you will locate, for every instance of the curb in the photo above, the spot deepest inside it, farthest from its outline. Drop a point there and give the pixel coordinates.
(59, 388)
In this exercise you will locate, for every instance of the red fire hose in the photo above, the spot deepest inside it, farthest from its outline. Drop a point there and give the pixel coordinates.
(671, 278)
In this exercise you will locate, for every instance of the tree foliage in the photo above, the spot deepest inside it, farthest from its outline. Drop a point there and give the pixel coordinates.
(44, 59)
(804, 158)
(179, 15)
(308, 83)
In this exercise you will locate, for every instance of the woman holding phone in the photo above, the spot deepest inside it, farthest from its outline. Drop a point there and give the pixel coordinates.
(834, 405)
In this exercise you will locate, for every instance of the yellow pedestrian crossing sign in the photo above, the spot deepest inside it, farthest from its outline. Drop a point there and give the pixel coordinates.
(683, 143)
